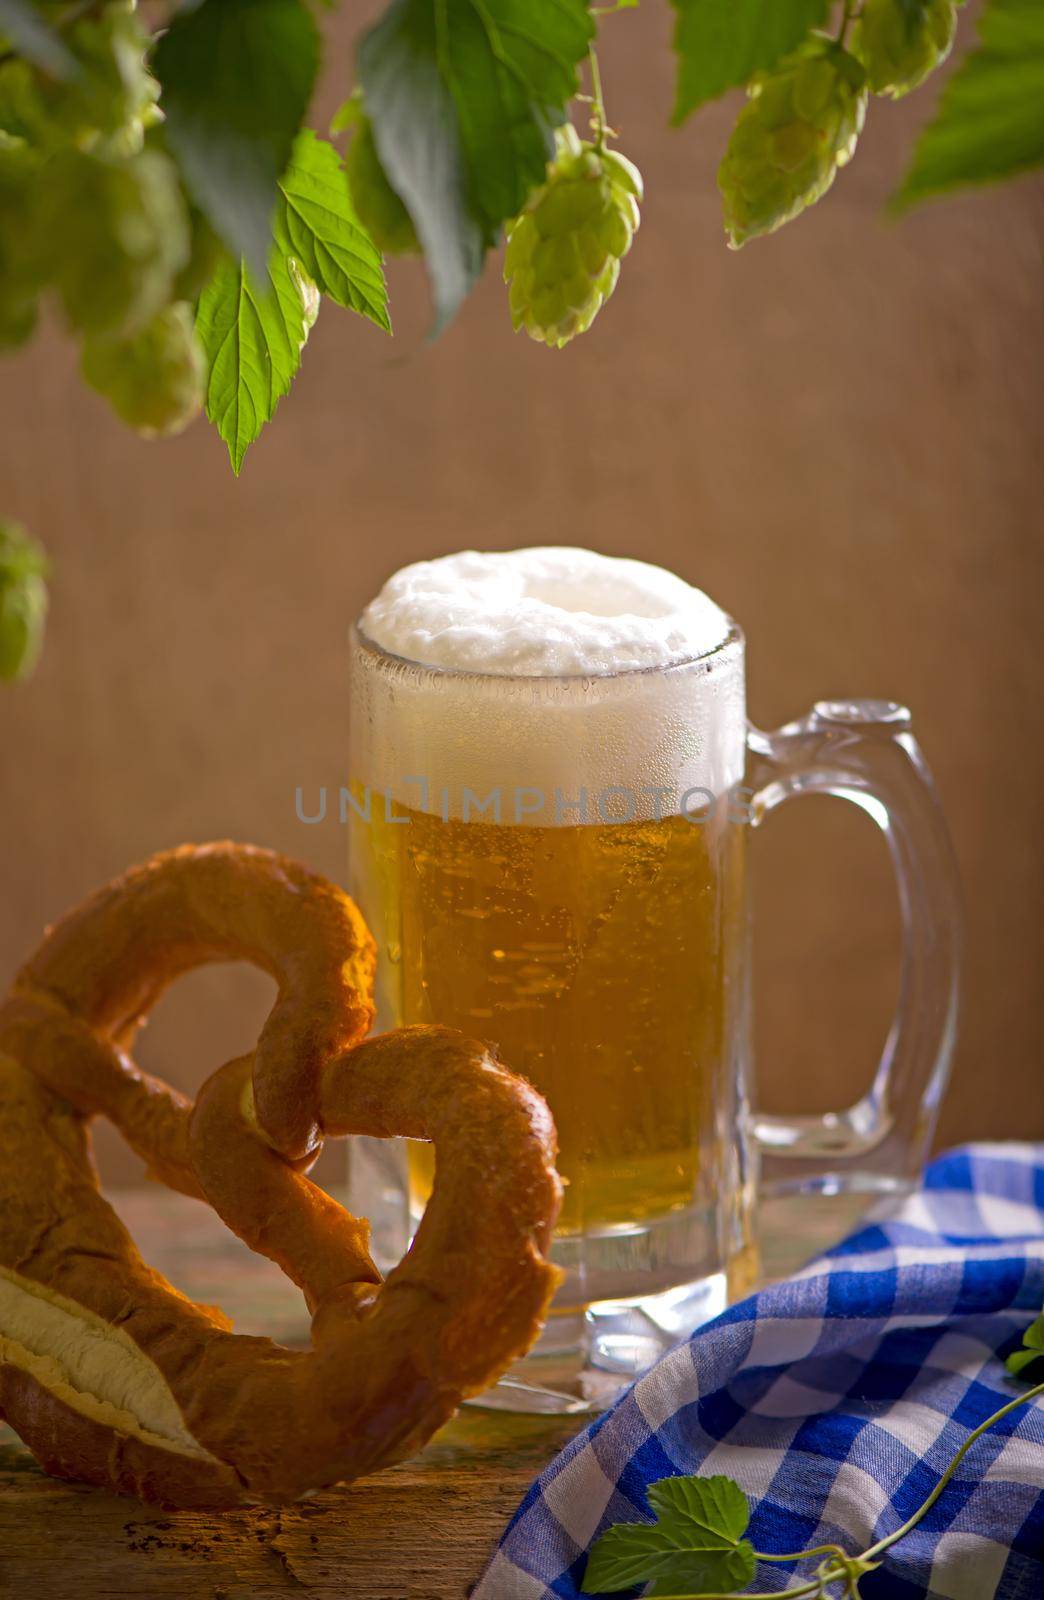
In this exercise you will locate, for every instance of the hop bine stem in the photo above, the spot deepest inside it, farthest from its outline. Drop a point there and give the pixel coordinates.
(846, 1569)
(848, 16)
(911, 1522)
(598, 125)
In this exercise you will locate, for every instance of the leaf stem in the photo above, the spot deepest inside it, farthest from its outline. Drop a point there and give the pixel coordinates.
(911, 1522)
(801, 1555)
(755, 1594)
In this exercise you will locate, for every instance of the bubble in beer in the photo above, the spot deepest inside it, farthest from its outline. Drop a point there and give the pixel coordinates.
(543, 612)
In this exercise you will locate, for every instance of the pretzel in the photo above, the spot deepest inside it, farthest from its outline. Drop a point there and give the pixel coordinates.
(109, 1374)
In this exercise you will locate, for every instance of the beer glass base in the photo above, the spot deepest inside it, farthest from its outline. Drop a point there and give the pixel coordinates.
(587, 1357)
(630, 1294)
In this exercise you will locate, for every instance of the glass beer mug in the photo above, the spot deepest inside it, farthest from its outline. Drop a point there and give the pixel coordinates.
(556, 862)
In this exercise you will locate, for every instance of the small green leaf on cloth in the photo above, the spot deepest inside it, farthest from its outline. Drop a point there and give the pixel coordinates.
(1028, 1362)
(696, 1543)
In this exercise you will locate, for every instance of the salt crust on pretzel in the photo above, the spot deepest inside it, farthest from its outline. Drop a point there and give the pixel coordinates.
(107, 1372)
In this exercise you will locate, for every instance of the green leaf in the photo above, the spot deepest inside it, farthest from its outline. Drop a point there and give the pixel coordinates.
(30, 35)
(990, 121)
(252, 336)
(237, 76)
(464, 100)
(722, 43)
(319, 228)
(1023, 1363)
(696, 1542)
(253, 331)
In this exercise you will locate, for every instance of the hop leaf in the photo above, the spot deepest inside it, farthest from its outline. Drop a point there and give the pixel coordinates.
(119, 232)
(1028, 1361)
(380, 210)
(696, 1543)
(900, 42)
(19, 266)
(23, 602)
(564, 251)
(799, 126)
(154, 380)
(253, 334)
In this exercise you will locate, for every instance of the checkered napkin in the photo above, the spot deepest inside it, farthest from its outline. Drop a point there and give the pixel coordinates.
(835, 1399)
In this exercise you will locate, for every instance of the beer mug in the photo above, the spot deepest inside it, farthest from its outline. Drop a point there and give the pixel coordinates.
(557, 863)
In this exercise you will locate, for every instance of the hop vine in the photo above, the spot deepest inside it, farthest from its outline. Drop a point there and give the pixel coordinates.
(164, 198)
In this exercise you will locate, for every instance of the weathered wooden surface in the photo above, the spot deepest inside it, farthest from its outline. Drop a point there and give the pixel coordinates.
(421, 1531)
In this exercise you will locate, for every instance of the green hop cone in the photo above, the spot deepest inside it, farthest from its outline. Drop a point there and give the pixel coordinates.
(114, 94)
(107, 102)
(120, 236)
(900, 42)
(799, 126)
(379, 208)
(23, 602)
(564, 251)
(155, 380)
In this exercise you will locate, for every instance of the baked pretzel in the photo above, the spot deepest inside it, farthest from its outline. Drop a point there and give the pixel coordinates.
(112, 1376)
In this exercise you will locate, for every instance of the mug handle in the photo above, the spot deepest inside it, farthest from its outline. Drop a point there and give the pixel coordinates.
(864, 751)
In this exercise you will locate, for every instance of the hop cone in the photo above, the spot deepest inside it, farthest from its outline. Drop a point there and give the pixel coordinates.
(119, 232)
(380, 210)
(800, 124)
(564, 251)
(900, 42)
(109, 100)
(154, 380)
(23, 602)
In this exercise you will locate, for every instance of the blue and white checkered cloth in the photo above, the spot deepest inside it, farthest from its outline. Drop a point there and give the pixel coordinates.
(836, 1398)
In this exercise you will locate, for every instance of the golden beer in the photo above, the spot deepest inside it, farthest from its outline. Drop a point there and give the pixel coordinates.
(600, 960)
(553, 861)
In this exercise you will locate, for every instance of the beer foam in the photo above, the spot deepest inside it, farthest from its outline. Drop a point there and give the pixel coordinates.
(547, 678)
(549, 611)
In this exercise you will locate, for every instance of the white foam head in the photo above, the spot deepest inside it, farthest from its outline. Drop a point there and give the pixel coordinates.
(553, 671)
(544, 612)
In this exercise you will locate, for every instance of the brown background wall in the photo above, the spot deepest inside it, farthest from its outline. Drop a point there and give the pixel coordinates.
(835, 432)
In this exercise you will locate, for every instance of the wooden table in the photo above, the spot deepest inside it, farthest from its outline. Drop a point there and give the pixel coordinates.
(420, 1531)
